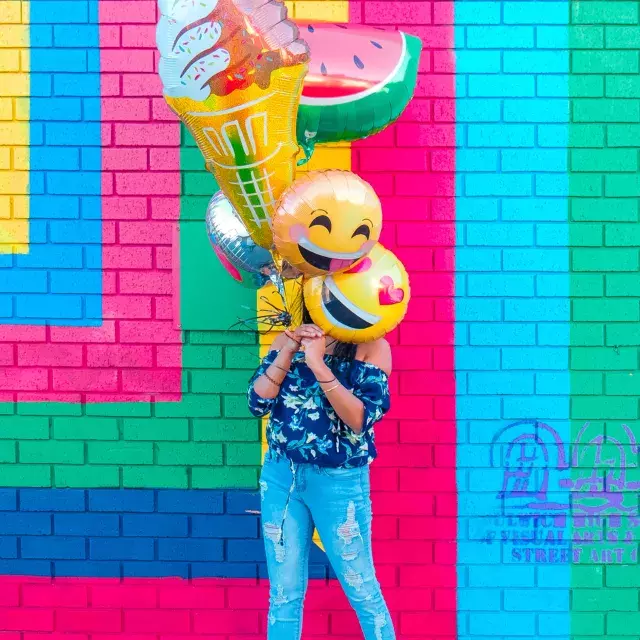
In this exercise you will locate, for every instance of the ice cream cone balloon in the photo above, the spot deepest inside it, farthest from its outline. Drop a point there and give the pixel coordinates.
(232, 71)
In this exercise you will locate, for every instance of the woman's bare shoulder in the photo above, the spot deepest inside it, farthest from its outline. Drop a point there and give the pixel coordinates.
(378, 353)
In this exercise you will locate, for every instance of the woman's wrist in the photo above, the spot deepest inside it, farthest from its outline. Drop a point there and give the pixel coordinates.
(285, 356)
(321, 371)
(289, 350)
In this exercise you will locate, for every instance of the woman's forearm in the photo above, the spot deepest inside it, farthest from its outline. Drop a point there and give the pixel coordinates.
(349, 408)
(267, 386)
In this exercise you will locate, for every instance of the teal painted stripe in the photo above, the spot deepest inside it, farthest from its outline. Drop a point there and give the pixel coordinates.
(604, 187)
(512, 317)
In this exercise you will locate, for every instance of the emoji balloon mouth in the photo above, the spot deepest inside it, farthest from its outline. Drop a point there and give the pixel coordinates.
(343, 313)
(330, 261)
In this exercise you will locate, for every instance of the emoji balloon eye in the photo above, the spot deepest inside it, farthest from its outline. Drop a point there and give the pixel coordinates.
(322, 221)
(362, 230)
(389, 294)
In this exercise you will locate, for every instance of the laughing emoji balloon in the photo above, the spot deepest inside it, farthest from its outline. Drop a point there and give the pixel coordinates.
(326, 221)
(363, 303)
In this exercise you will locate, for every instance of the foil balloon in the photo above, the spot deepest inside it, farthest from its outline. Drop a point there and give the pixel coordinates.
(364, 303)
(326, 221)
(244, 260)
(360, 80)
(232, 71)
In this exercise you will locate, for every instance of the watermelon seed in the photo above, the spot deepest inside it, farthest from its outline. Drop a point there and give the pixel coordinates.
(323, 69)
(310, 29)
(340, 26)
(377, 45)
(358, 62)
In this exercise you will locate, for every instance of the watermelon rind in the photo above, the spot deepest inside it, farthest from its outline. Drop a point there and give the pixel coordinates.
(354, 117)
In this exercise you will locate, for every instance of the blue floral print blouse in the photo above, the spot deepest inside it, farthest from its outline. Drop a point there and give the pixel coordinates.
(303, 425)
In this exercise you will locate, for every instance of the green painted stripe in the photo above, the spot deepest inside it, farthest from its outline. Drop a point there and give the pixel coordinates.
(208, 440)
(604, 188)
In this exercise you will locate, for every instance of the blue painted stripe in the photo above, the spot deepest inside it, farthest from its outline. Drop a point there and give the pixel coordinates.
(65, 168)
(135, 533)
(512, 317)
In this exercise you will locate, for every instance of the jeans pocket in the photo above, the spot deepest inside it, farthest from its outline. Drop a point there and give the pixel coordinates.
(340, 473)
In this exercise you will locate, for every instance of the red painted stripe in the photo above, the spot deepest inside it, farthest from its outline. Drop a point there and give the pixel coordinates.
(171, 609)
(412, 167)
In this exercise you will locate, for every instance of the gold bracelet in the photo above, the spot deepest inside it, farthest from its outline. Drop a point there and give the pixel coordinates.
(335, 386)
(271, 380)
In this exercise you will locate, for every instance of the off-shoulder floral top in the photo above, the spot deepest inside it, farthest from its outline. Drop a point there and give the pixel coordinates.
(303, 425)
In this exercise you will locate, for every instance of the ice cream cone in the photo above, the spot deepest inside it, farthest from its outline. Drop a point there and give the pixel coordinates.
(232, 71)
(248, 140)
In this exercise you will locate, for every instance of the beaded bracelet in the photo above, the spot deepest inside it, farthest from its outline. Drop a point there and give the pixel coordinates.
(273, 364)
(271, 380)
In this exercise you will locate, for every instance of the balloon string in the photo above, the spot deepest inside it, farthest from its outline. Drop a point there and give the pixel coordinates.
(277, 318)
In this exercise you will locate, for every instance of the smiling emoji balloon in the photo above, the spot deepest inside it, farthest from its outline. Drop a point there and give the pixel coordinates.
(326, 221)
(363, 303)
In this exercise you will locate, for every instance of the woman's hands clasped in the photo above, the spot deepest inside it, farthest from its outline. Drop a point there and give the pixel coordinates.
(299, 338)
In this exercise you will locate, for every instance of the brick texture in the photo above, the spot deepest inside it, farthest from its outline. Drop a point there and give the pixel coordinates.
(546, 310)
(512, 315)
(128, 458)
(604, 345)
(412, 167)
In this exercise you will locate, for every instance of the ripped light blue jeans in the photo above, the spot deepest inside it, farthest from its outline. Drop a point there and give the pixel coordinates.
(295, 497)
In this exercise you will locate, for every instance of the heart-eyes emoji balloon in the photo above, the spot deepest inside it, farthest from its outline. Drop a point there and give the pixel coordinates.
(363, 303)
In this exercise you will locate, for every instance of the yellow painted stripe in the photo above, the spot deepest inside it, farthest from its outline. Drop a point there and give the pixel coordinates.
(14, 126)
(336, 156)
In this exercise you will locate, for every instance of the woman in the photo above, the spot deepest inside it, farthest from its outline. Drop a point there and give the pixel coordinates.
(324, 398)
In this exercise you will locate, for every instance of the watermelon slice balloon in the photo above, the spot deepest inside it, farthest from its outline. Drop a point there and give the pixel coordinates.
(360, 80)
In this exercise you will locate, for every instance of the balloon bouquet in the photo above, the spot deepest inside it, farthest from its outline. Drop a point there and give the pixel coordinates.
(253, 88)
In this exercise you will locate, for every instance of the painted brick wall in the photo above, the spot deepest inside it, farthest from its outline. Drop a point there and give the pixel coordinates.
(411, 165)
(128, 461)
(505, 495)
(547, 318)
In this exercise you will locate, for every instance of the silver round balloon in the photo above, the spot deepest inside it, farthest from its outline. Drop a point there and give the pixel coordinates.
(244, 260)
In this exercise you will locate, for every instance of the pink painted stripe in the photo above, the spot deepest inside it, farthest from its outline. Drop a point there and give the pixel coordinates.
(173, 609)
(118, 362)
(176, 275)
(412, 167)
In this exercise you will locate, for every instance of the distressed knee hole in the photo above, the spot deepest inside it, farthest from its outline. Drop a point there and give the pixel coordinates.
(349, 530)
(280, 598)
(379, 621)
(353, 578)
(273, 532)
